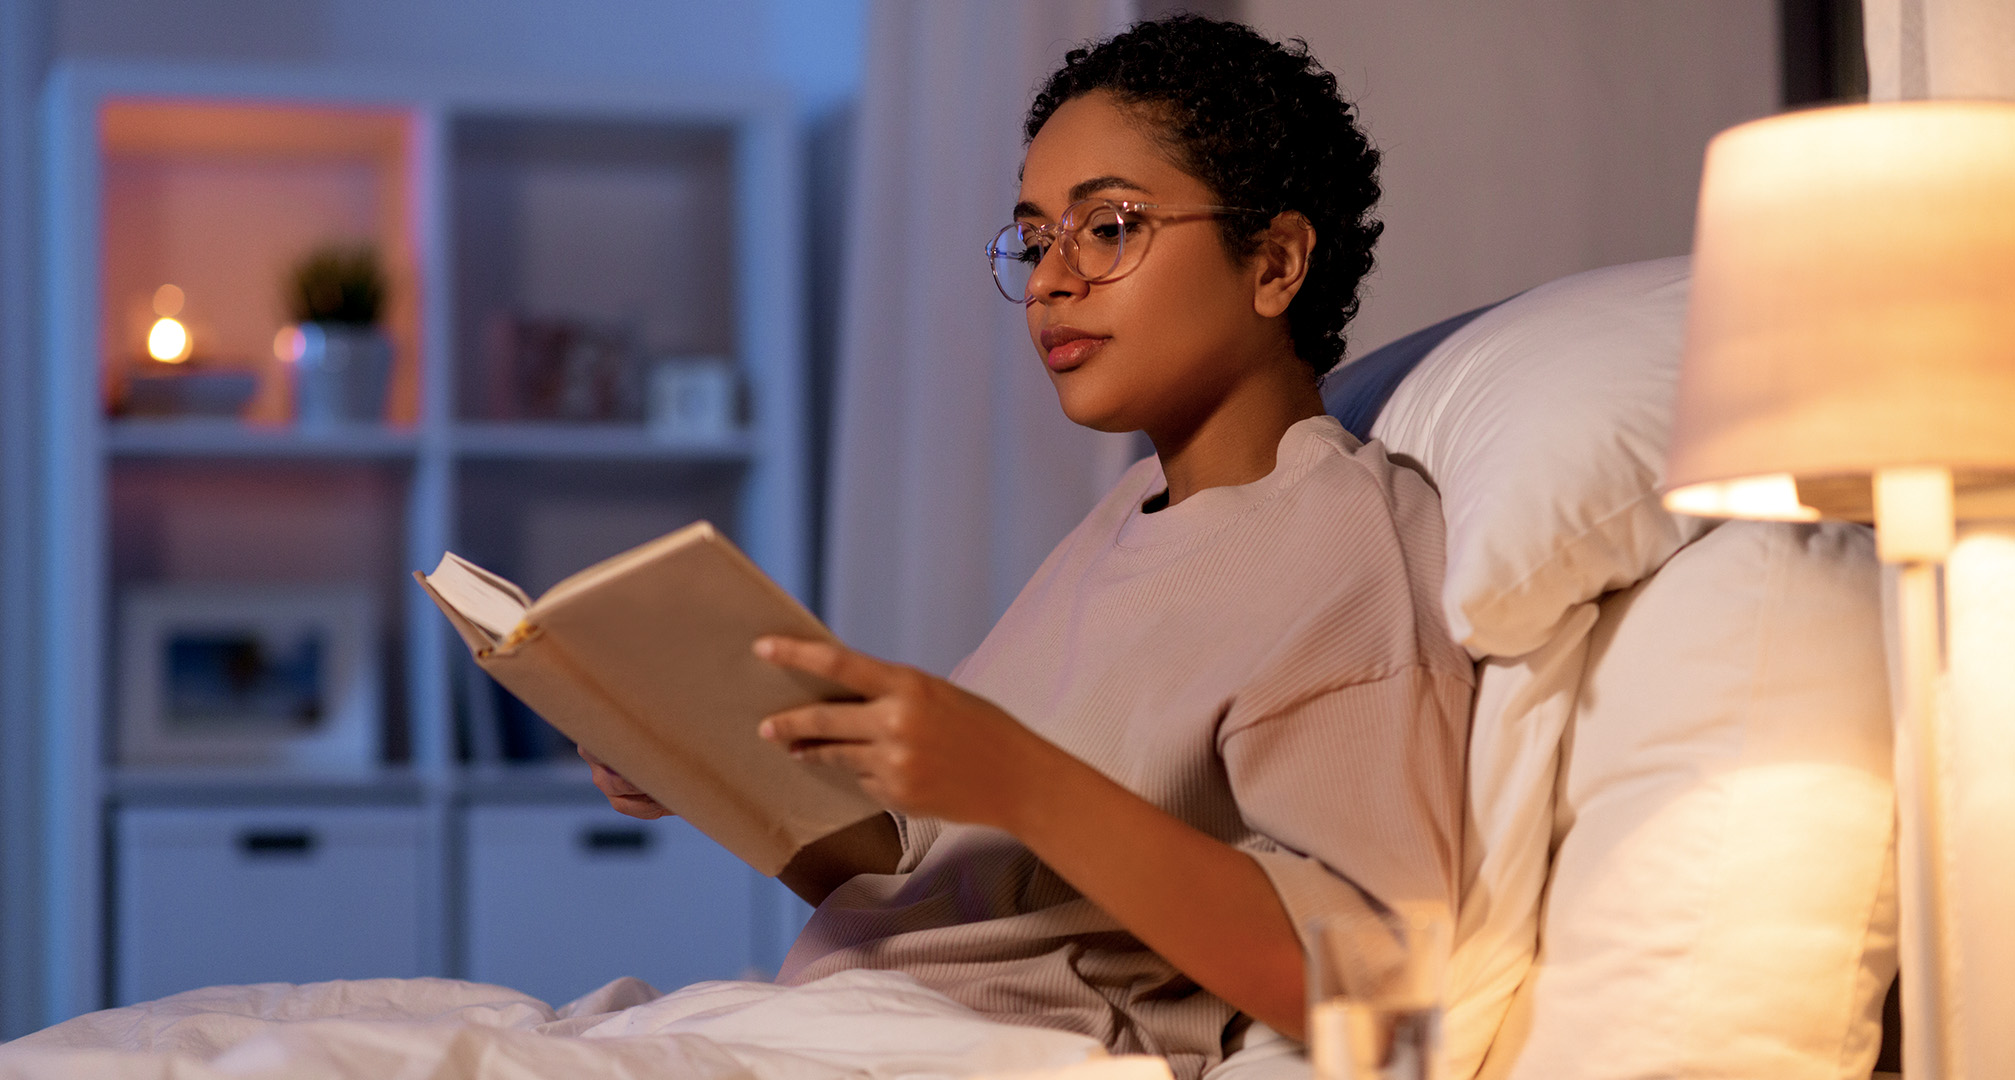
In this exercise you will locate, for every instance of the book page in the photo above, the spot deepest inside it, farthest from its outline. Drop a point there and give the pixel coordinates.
(483, 598)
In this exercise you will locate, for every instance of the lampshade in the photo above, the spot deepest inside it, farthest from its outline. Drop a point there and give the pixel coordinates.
(1853, 310)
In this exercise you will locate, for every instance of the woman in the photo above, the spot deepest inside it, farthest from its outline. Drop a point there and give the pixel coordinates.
(1226, 704)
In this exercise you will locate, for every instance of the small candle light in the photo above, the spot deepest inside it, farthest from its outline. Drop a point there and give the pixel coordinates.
(168, 339)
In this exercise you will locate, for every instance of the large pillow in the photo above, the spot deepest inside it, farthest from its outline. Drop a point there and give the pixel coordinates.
(1543, 423)
(1722, 900)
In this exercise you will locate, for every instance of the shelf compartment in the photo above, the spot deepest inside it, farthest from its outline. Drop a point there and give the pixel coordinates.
(535, 522)
(222, 199)
(585, 249)
(276, 524)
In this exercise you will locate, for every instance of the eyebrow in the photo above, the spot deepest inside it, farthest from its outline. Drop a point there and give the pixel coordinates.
(1081, 190)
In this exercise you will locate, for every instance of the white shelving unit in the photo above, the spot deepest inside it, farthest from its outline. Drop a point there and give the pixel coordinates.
(441, 473)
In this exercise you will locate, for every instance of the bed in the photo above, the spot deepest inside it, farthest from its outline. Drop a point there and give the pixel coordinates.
(1680, 835)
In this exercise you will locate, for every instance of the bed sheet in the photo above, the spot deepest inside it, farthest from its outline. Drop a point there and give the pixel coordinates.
(868, 1024)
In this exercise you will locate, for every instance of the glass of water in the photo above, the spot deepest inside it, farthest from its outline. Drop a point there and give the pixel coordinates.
(1374, 996)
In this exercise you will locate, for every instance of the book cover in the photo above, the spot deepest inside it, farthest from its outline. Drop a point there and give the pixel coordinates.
(644, 660)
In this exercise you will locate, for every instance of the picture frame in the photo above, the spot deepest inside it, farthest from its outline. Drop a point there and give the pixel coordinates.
(693, 399)
(272, 679)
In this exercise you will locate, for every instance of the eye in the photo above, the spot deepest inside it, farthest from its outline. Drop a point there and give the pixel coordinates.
(1032, 251)
(1107, 226)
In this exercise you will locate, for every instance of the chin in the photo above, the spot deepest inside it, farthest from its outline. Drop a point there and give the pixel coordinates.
(1093, 410)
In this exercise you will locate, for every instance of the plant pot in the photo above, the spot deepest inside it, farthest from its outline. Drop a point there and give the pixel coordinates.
(341, 374)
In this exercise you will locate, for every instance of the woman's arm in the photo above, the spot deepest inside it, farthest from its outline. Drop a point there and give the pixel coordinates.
(923, 746)
(1204, 905)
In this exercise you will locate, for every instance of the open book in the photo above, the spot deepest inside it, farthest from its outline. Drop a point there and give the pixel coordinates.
(644, 660)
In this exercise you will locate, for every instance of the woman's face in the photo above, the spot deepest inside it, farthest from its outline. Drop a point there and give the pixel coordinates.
(1156, 347)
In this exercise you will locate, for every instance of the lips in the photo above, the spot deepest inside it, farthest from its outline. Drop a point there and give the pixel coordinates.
(1066, 347)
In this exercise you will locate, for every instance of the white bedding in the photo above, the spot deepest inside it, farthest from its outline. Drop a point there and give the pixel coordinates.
(867, 1024)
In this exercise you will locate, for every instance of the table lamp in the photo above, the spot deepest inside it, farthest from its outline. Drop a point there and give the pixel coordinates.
(1850, 353)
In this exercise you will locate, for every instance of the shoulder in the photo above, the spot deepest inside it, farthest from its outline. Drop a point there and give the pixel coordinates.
(1369, 501)
(1340, 463)
(1363, 536)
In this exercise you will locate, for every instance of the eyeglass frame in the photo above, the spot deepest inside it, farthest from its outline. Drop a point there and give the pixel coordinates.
(1055, 234)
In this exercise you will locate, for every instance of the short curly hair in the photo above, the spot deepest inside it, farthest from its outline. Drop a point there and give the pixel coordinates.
(1263, 125)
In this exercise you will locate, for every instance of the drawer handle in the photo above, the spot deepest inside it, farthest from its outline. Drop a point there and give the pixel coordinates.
(614, 841)
(270, 843)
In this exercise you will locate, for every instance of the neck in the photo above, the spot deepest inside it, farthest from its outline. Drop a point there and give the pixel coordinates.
(1235, 441)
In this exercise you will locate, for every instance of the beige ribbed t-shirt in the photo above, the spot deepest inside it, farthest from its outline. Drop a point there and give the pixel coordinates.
(1267, 662)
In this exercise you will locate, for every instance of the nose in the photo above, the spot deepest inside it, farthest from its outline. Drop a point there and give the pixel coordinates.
(1052, 280)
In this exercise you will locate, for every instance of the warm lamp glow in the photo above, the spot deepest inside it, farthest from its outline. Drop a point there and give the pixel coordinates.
(1768, 498)
(168, 301)
(1853, 307)
(168, 341)
(1913, 514)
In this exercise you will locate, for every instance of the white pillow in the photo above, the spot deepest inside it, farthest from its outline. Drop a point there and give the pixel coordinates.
(1722, 900)
(1543, 424)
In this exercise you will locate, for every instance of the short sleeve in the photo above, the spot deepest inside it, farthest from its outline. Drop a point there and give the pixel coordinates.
(1356, 794)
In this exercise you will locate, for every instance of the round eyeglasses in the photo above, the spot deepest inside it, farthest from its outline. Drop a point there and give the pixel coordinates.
(1099, 239)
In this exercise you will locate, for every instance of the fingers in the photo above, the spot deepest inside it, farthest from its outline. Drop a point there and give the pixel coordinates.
(856, 758)
(610, 781)
(859, 672)
(828, 722)
(625, 797)
(638, 806)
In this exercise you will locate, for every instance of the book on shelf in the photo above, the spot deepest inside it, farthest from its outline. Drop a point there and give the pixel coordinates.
(644, 660)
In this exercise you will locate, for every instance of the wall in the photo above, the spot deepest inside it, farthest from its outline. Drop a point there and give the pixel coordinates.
(1527, 139)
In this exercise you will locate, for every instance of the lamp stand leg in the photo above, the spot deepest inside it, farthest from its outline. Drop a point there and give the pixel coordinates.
(1921, 850)
(1977, 725)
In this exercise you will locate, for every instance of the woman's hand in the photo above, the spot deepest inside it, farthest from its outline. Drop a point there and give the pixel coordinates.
(918, 744)
(626, 797)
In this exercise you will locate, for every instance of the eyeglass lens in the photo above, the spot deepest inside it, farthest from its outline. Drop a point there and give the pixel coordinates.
(1094, 241)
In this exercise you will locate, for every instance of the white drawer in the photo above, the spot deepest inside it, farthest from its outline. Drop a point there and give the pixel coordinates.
(562, 898)
(252, 894)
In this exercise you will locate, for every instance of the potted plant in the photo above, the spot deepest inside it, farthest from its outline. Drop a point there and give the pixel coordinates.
(342, 358)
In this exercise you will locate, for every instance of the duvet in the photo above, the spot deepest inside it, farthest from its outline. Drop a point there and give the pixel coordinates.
(867, 1024)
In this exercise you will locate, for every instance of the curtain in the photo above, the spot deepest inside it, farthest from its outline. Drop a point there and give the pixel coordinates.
(1939, 48)
(953, 471)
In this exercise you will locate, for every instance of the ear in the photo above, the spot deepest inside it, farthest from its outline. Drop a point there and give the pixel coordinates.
(1281, 264)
